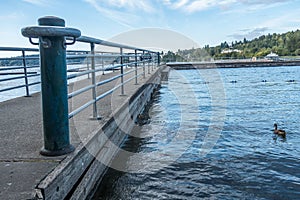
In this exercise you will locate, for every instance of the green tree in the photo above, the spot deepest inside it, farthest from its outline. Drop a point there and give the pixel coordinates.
(169, 57)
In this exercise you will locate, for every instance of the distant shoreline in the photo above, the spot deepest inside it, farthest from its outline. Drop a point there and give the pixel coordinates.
(232, 64)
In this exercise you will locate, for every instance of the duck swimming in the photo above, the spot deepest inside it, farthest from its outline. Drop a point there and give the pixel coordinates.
(279, 131)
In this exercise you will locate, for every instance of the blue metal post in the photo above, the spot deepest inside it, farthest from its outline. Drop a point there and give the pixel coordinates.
(54, 92)
(54, 83)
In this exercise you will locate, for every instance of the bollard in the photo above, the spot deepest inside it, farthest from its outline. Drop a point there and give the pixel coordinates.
(51, 33)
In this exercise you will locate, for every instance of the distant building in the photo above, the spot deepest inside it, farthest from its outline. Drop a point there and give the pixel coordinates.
(231, 50)
(272, 56)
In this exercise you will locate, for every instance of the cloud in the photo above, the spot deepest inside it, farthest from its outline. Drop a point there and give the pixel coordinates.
(125, 12)
(192, 6)
(11, 16)
(180, 4)
(129, 13)
(283, 21)
(125, 5)
(130, 5)
(38, 2)
(254, 5)
(116, 16)
(263, 2)
(249, 34)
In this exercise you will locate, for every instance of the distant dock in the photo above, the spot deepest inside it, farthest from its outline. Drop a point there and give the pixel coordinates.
(238, 63)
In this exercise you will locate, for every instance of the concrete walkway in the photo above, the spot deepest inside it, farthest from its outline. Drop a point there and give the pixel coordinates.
(21, 166)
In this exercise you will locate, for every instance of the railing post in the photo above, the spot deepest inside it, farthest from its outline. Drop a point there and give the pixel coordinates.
(102, 62)
(25, 73)
(52, 45)
(158, 59)
(87, 64)
(148, 63)
(144, 64)
(136, 67)
(152, 62)
(94, 92)
(122, 72)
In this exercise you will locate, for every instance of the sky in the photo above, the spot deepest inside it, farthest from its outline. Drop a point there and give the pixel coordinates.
(204, 22)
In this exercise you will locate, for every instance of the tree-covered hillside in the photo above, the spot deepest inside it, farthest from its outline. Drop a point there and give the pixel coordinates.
(287, 44)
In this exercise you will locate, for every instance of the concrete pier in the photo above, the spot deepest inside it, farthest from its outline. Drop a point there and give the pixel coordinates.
(25, 174)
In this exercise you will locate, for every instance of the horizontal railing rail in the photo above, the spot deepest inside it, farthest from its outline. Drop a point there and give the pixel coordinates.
(27, 74)
(101, 61)
(16, 72)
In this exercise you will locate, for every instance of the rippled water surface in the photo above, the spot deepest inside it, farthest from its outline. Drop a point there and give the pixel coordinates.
(210, 137)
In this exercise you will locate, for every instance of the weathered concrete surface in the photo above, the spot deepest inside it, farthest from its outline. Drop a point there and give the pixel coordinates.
(22, 168)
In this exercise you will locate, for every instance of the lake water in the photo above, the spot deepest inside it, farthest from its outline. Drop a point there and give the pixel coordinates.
(210, 137)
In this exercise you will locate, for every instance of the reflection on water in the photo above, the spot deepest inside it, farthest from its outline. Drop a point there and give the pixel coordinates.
(247, 162)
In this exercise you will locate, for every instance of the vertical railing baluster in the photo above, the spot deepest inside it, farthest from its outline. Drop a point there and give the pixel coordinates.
(152, 62)
(136, 67)
(102, 62)
(94, 92)
(144, 64)
(122, 71)
(158, 59)
(25, 73)
(148, 63)
(87, 64)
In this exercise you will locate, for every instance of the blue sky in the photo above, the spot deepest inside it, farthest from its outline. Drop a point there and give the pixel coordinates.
(204, 21)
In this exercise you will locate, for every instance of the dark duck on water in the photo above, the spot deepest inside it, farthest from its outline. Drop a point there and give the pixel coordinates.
(279, 131)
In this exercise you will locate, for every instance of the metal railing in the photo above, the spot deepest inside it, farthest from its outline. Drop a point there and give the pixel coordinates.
(23, 70)
(100, 62)
(59, 68)
(14, 70)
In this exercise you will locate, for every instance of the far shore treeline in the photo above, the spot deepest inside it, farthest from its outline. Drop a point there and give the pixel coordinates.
(287, 44)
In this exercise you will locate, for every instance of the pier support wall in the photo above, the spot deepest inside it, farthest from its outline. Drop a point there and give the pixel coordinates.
(77, 175)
